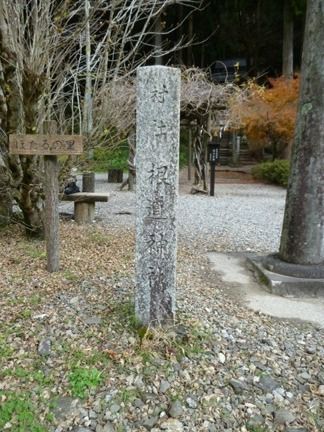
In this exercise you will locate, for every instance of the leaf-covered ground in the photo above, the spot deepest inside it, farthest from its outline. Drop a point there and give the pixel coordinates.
(73, 357)
(37, 307)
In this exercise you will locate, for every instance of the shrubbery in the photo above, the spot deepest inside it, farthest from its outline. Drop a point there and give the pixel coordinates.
(107, 158)
(274, 172)
(104, 159)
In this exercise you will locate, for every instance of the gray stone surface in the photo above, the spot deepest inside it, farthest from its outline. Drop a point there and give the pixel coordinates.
(108, 427)
(267, 383)
(275, 264)
(81, 429)
(284, 285)
(150, 422)
(157, 149)
(66, 407)
(172, 425)
(302, 240)
(176, 409)
(238, 386)
(233, 268)
(93, 320)
(284, 416)
(44, 347)
(164, 386)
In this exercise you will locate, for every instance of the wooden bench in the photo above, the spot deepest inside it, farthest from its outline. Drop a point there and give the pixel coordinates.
(84, 205)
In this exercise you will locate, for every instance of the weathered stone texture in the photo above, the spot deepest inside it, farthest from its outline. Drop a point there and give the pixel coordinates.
(302, 240)
(158, 126)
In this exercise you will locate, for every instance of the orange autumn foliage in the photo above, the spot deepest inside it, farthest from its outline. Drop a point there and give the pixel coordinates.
(268, 115)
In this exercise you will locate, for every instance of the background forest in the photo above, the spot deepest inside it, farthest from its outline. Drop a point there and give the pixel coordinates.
(74, 63)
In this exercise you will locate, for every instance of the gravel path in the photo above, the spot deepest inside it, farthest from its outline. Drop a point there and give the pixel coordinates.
(239, 217)
(223, 367)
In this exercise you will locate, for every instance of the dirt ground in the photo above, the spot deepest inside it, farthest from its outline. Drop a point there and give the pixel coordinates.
(224, 175)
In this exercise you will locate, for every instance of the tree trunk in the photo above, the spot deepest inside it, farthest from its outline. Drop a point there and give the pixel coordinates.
(20, 91)
(179, 53)
(5, 196)
(199, 161)
(130, 181)
(288, 41)
(30, 198)
(158, 40)
(302, 239)
(131, 161)
(190, 61)
(88, 100)
(189, 152)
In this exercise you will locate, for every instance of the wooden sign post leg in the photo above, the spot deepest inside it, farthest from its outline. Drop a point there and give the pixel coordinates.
(52, 228)
(49, 145)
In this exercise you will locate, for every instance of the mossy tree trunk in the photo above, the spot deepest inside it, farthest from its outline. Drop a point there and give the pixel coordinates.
(288, 40)
(21, 176)
(302, 240)
(199, 157)
(5, 195)
(5, 191)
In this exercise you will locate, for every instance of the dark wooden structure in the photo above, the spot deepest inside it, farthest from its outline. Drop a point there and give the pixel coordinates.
(88, 182)
(115, 175)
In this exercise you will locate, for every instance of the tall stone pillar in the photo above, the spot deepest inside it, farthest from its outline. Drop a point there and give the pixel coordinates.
(157, 162)
(302, 239)
(298, 269)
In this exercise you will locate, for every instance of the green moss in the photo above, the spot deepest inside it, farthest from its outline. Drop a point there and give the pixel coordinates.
(17, 409)
(82, 379)
(5, 350)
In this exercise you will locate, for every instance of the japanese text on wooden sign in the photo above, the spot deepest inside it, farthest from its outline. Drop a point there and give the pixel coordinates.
(45, 144)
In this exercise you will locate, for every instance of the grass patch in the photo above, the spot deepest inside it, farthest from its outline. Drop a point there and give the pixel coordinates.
(6, 351)
(25, 314)
(171, 343)
(178, 340)
(70, 276)
(81, 380)
(35, 299)
(125, 316)
(128, 395)
(95, 359)
(99, 239)
(35, 376)
(256, 429)
(17, 410)
(35, 250)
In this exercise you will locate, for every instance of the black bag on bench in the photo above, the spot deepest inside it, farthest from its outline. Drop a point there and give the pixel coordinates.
(71, 188)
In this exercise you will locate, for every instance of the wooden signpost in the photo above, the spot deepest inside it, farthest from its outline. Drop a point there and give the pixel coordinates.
(49, 146)
(46, 145)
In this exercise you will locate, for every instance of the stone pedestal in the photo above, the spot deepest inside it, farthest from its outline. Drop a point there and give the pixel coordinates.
(288, 280)
(158, 126)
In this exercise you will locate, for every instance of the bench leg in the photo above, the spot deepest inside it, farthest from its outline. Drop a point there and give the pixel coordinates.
(84, 212)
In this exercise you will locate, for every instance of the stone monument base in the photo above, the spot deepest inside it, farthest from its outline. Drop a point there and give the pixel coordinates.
(288, 280)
